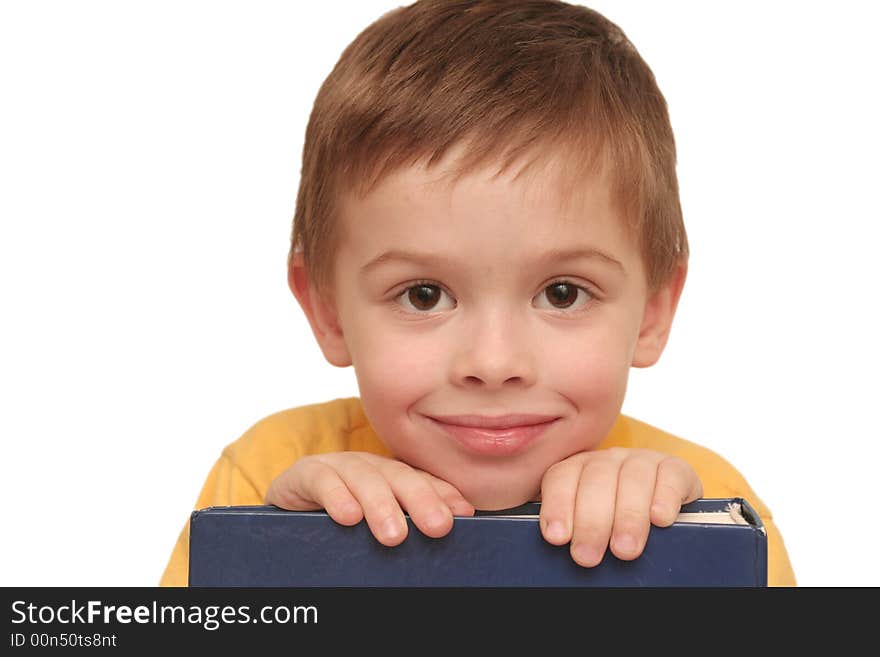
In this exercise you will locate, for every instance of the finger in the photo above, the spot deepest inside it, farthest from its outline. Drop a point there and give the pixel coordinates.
(594, 509)
(415, 493)
(676, 484)
(375, 496)
(632, 509)
(310, 484)
(558, 490)
(456, 502)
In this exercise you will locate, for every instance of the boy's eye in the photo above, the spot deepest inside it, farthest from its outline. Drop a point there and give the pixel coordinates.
(427, 297)
(563, 295)
(422, 297)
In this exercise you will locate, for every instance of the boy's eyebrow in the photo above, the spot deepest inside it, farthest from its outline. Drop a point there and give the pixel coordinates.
(548, 257)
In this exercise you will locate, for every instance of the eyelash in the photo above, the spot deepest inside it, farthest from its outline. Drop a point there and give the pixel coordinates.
(404, 291)
(589, 291)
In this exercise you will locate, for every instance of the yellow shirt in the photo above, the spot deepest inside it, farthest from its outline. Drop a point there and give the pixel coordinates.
(242, 474)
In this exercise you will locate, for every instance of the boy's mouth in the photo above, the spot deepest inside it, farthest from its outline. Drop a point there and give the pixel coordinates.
(493, 436)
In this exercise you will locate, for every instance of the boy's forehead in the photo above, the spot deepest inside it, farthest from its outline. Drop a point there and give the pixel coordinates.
(548, 180)
(485, 215)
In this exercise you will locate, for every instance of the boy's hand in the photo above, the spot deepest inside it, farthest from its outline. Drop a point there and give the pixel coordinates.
(614, 494)
(355, 485)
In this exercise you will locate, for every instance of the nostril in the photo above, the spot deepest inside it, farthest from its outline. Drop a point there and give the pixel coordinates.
(478, 380)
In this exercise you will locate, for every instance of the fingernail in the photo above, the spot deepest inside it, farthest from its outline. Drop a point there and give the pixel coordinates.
(556, 531)
(584, 553)
(659, 511)
(392, 528)
(625, 543)
(437, 518)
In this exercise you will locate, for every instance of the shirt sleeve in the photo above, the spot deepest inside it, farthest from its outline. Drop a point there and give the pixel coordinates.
(226, 486)
(779, 570)
(720, 480)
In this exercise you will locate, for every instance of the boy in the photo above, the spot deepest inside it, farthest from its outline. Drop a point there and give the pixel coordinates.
(488, 229)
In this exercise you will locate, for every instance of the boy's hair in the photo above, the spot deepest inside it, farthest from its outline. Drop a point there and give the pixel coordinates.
(516, 81)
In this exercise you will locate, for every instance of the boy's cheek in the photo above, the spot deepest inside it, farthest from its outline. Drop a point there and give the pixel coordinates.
(593, 381)
(397, 377)
(395, 388)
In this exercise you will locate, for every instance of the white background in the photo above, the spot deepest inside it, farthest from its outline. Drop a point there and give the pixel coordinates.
(149, 161)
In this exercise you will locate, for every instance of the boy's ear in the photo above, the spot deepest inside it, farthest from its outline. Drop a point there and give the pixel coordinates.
(657, 319)
(321, 313)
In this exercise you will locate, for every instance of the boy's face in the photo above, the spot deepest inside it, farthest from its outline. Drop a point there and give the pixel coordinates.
(449, 301)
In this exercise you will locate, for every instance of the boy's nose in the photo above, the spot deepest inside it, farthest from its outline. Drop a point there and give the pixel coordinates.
(494, 354)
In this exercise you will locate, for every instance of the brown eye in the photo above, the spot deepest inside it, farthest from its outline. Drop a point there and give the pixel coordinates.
(424, 297)
(562, 295)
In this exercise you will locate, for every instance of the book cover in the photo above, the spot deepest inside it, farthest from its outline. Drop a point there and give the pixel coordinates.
(714, 542)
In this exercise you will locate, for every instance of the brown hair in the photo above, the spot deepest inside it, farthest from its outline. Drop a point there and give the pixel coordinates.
(511, 79)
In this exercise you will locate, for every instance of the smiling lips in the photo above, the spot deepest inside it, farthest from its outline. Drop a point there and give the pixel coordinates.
(493, 436)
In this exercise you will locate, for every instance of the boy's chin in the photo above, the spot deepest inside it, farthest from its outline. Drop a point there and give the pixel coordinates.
(498, 500)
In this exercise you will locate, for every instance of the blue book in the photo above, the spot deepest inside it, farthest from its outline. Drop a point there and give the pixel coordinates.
(714, 542)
